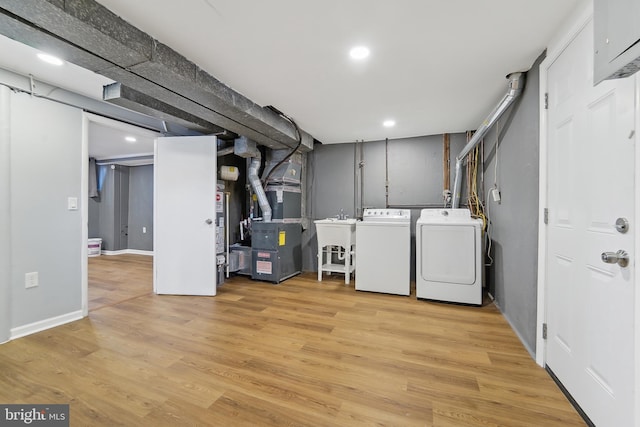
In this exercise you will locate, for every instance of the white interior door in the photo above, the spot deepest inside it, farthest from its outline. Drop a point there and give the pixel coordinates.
(590, 303)
(184, 216)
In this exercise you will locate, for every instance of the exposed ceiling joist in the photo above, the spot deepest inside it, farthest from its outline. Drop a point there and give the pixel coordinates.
(87, 34)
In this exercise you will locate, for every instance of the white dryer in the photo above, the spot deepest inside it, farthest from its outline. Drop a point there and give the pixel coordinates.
(449, 264)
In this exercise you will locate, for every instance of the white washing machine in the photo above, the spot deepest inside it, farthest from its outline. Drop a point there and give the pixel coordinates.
(449, 264)
(383, 251)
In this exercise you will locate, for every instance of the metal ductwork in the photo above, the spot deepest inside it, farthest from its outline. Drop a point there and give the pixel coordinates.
(256, 184)
(516, 85)
(119, 94)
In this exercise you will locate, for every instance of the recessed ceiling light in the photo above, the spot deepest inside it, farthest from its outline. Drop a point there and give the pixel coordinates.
(389, 123)
(130, 139)
(50, 59)
(359, 52)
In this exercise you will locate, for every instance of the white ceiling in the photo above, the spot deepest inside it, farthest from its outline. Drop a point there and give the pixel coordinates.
(107, 140)
(106, 137)
(435, 66)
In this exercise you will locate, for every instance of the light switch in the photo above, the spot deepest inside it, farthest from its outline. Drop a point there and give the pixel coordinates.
(72, 203)
(31, 280)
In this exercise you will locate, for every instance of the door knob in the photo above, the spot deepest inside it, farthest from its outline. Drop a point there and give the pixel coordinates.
(209, 221)
(621, 258)
(622, 225)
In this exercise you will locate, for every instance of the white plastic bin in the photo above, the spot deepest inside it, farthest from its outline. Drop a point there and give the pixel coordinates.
(95, 247)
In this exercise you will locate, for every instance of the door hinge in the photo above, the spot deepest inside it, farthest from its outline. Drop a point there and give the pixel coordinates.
(544, 331)
(546, 101)
(546, 215)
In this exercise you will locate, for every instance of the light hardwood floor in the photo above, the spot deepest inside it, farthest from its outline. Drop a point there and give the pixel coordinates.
(302, 353)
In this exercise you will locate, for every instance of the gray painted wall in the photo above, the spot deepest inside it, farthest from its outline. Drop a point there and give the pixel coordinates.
(106, 209)
(5, 214)
(141, 207)
(512, 279)
(94, 216)
(124, 207)
(121, 214)
(415, 171)
(332, 186)
(46, 237)
(330, 189)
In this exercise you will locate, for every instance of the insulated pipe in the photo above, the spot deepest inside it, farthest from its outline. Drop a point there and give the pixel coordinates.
(516, 84)
(254, 180)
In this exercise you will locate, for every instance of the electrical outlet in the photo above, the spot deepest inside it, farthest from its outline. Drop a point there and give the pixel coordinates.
(144, 230)
(31, 280)
(495, 193)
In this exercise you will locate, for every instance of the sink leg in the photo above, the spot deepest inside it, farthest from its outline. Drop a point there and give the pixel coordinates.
(347, 267)
(319, 264)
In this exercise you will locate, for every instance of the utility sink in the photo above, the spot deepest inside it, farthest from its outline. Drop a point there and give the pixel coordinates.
(337, 232)
(341, 234)
(347, 221)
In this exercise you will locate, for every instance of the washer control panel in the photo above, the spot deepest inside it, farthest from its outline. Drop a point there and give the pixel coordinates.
(390, 215)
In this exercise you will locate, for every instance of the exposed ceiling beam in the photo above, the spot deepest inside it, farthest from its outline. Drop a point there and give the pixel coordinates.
(86, 33)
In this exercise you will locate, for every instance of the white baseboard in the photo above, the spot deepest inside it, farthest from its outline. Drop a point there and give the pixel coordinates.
(127, 251)
(41, 325)
(109, 253)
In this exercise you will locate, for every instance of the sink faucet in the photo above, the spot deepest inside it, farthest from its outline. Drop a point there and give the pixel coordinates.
(342, 215)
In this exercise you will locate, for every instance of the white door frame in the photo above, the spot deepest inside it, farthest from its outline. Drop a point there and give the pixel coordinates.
(636, 258)
(84, 214)
(555, 49)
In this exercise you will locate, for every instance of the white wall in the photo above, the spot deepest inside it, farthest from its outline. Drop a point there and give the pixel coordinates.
(45, 170)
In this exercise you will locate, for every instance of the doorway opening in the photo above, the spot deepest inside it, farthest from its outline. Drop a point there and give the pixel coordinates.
(118, 212)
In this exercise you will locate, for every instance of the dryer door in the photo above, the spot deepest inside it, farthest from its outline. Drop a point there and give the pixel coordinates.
(448, 253)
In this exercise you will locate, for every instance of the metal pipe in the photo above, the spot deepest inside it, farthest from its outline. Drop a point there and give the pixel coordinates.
(355, 180)
(386, 173)
(224, 151)
(516, 84)
(254, 180)
(226, 227)
(361, 167)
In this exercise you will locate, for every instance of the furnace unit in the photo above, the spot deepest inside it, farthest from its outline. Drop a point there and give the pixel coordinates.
(276, 249)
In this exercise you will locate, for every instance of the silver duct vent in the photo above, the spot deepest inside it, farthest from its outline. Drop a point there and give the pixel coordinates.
(254, 179)
(516, 85)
